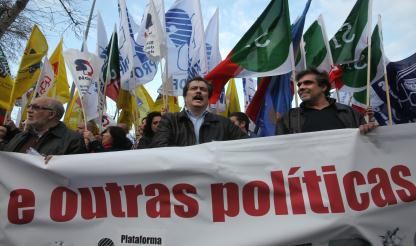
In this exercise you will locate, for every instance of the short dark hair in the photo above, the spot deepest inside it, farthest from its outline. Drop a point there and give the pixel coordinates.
(186, 87)
(241, 117)
(147, 131)
(321, 77)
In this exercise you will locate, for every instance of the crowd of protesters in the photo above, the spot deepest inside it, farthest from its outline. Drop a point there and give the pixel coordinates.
(46, 135)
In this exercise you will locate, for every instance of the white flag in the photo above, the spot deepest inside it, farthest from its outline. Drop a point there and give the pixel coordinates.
(102, 40)
(135, 66)
(186, 43)
(154, 33)
(85, 69)
(212, 41)
(46, 79)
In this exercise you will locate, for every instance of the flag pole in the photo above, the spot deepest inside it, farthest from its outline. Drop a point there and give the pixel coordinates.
(302, 53)
(328, 49)
(134, 111)
(369, 55)
(295, 89)
(386, 79)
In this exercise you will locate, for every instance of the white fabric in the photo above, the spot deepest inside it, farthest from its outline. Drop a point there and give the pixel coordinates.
(221, 193)
(85, 69)
(135, 66)
(46, 79)
(186, 44)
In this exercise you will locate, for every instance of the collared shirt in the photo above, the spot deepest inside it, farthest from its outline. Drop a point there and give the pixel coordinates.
(197, 122)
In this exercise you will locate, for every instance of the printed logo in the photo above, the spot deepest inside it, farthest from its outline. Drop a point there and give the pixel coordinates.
(392, 238)
(149, 24)
(84, 66)
(179, 30)
(105, 242)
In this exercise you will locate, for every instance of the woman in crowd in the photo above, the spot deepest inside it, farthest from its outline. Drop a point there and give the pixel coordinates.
(152, 121)
(112, 139)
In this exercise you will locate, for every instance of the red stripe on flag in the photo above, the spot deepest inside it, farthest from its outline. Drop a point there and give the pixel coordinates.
(257, 102)
(220, 75)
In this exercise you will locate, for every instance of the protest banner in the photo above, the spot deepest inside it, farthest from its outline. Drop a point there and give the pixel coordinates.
(324, 188)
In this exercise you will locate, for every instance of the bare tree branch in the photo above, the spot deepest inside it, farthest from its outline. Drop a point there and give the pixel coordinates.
(17, 18)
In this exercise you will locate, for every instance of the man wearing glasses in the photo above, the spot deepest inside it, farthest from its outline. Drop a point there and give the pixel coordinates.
(319, 112)
(45, 133)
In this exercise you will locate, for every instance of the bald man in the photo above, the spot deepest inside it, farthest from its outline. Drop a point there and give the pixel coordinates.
(45, 132)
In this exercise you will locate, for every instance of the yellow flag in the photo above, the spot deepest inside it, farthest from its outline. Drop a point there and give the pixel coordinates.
(29, 69)
(124, 100)
(129, 113)
(60, 89)
(144, 101)
(172, 104)
(6, 82)
(73, 115)
(124, 103)
(231, 99)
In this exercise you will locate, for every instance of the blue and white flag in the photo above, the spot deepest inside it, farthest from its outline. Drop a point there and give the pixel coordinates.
(186, 43)
(212, 42)
(249, 89)
(135, 66)
(402, 81)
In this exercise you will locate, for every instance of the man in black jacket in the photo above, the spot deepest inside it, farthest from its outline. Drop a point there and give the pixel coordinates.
(318, 112)
(45, 133)
(195, 125)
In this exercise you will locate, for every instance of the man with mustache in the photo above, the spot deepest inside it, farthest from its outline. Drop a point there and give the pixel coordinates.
(319, 112)
(194, 124)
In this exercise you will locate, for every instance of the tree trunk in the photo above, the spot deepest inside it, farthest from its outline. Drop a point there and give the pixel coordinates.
(10, 16)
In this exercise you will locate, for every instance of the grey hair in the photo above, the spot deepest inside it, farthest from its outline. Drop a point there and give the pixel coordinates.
(57, 107)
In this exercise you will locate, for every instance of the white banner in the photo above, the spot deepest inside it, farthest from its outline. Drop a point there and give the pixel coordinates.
(325, 188)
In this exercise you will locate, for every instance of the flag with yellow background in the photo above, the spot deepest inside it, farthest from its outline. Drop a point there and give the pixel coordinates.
(60, 89)
(30, 64)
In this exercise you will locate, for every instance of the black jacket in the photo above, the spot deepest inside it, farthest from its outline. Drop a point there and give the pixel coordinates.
(58, 140)
(292, 121)
(176, 129)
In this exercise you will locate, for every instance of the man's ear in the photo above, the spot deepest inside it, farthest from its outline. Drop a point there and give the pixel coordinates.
(52, 114)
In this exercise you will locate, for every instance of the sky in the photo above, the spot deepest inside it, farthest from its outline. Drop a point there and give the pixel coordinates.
(236, 17)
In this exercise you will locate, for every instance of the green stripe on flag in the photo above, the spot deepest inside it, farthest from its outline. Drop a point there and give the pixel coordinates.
(265, 46)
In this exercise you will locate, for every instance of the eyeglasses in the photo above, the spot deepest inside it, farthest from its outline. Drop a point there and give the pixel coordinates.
(37, 107)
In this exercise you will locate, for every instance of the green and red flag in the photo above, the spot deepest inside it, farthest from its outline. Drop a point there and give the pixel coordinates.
(111, 68)
(264, 50)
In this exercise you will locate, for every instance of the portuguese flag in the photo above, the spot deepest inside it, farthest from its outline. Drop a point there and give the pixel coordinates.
(265, 50)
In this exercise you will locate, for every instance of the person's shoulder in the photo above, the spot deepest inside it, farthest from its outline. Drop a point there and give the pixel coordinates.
(63, 131)
(341, 106)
